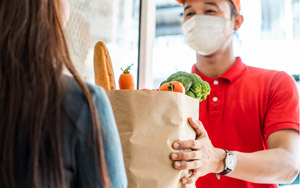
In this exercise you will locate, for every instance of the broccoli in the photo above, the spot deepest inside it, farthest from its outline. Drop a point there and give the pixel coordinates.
(194, 86)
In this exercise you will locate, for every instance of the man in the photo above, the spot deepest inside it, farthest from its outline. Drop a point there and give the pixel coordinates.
(250, 132)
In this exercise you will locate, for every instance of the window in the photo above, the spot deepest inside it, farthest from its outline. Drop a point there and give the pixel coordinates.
(114, 22)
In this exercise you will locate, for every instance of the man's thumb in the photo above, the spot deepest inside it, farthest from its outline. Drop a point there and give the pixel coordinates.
(198, 127)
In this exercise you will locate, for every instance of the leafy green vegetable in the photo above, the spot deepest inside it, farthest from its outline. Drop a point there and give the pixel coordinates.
(194, 86)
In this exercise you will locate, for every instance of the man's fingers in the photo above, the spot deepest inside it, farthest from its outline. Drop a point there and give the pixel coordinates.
(187, 144)
(192, 144)
(191, 165)
(192, 179)
(185, 156)
(198, 127)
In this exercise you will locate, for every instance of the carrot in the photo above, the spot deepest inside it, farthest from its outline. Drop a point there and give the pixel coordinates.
(174, 86)
(126, 80)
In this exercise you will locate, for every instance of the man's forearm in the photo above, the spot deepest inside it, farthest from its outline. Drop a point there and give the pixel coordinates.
(268, 166)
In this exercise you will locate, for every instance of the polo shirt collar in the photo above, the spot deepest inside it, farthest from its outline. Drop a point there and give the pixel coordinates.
(231, 74)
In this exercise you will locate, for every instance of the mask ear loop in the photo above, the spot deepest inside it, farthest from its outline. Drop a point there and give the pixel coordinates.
(230, 33)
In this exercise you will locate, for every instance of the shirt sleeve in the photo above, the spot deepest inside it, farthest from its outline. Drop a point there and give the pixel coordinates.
(111, 140)
(283, 105)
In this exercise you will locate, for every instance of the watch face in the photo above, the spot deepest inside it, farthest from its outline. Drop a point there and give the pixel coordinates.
(230, 162)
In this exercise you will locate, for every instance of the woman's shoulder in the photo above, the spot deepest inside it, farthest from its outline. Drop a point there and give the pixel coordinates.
(72, 89)
(74, 98)
(77, 109)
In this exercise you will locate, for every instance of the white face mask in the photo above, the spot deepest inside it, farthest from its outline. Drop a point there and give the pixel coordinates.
(206, 34)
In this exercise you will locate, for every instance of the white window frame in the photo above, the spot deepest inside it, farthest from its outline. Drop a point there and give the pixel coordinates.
(146, 43)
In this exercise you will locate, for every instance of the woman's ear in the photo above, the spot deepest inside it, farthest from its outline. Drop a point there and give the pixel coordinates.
(238, 21)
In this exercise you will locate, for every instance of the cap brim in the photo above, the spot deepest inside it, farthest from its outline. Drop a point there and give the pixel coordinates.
(235, 2)
(180, 1)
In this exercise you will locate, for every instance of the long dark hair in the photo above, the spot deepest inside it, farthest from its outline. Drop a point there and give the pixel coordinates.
(33, 52)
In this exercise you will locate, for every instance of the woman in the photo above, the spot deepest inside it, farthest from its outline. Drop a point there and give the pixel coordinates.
(55, 131)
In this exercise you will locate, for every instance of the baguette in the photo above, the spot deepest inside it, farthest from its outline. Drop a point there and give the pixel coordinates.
(104, 73)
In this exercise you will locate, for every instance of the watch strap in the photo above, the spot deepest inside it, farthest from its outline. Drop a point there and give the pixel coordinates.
(226, 170)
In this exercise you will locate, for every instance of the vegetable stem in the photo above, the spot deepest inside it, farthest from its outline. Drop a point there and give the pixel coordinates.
(126, 71)
(171, 87)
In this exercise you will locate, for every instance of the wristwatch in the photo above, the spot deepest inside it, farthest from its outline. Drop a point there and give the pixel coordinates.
(230, 163)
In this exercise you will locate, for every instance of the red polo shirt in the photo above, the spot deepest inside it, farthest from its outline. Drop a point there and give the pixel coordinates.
(245, 106)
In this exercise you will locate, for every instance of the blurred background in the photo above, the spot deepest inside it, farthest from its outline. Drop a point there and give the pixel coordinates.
(148, 34)
(114, 22)
(269, 37)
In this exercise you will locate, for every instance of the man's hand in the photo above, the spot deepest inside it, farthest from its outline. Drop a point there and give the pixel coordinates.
(204, 157)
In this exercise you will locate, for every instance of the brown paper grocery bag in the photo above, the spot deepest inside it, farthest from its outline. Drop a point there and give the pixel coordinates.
(148, 123)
